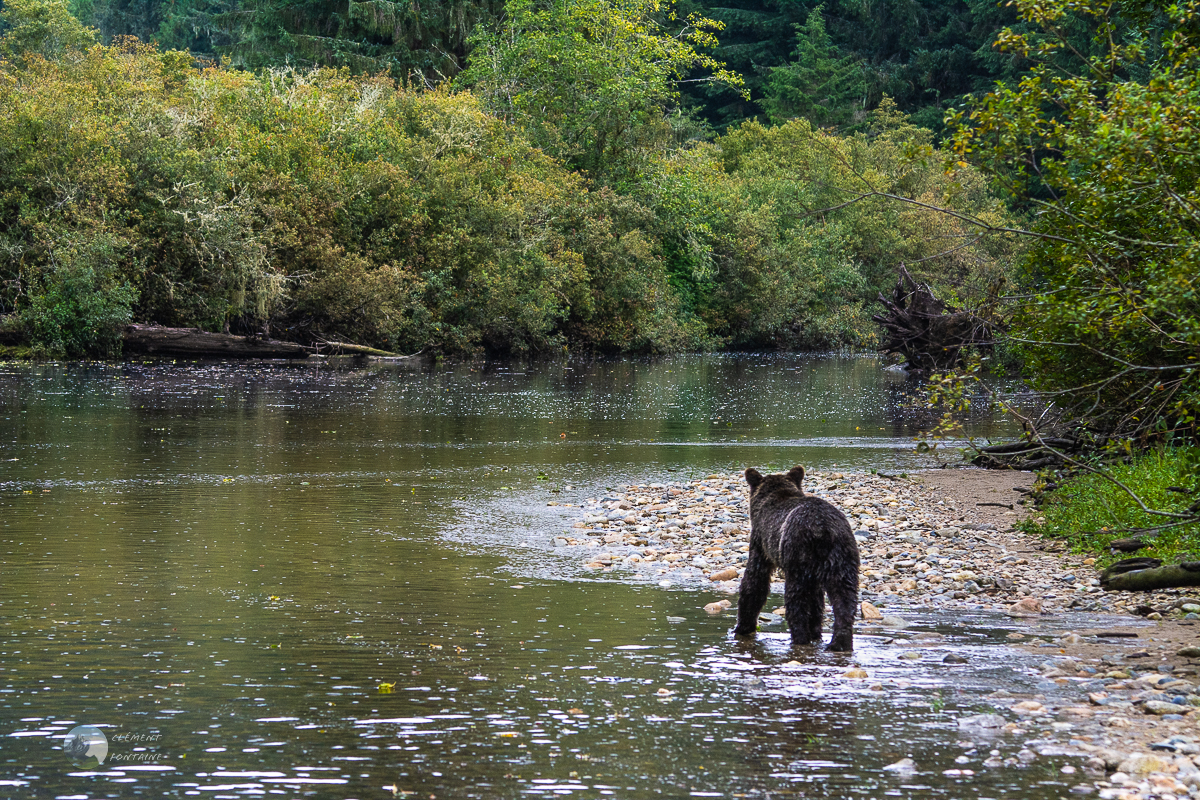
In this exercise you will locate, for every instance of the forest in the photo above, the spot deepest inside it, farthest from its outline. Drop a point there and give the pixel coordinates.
(617, 176)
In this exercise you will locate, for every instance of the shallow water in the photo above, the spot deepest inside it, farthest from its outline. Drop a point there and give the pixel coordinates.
(335, 580)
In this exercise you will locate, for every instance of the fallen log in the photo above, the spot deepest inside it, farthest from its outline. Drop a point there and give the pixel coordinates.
(1011, 448)
(193, 342)
(1151, 578)
(362, 350)
(1130, 564)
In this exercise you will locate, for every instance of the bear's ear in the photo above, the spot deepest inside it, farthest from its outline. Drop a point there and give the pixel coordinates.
(753, 477)
(796, 475)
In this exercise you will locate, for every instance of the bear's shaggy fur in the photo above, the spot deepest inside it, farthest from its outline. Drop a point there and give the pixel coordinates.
(811, 541)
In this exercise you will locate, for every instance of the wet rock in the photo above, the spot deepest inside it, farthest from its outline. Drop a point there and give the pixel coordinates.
(1028, 708)
(1160, 707)
(1188, 652)
(894, 622)
(1144, 764)
(727, 574)
(954, 658)
(717, 607)
(856, 672)
(870, 613)
(1176, 744)
(1025, 607)
(904, 766)
(982, 722)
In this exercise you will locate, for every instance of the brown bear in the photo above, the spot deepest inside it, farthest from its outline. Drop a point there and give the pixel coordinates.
(811, 541)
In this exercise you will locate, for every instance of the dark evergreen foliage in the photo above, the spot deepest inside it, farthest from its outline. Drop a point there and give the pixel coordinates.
(925, 54)
(403, 39)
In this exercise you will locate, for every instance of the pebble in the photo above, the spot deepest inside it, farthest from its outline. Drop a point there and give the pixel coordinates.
(913, 546)
(1025, 607)
(904, 765)
(920, 550)
(984, 721)
(1160, 708)
(1144, 764)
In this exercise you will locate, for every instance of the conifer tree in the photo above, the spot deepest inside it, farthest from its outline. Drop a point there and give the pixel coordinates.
(820, 85)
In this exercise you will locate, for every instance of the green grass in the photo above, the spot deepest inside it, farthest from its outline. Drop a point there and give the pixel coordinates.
(1088, 511)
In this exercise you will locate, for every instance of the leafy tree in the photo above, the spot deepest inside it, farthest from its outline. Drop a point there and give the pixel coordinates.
(591, 80)
(1101, 141)
(41, 27)
(820, 85)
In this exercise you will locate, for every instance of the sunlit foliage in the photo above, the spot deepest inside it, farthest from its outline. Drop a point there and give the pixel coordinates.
(138, 185)
(1102, 141)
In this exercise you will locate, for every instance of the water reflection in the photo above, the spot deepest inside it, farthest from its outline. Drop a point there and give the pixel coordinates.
(331, 581)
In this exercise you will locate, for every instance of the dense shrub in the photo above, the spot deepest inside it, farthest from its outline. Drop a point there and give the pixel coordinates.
(1102, 140)
(136, 185)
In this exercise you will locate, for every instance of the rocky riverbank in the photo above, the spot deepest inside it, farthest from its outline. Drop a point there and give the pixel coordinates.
(945, 541)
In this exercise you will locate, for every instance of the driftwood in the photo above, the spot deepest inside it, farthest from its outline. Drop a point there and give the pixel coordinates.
(156, 340)
(337, 348)
(1030, 455)
(927, 332)
(1129, 576)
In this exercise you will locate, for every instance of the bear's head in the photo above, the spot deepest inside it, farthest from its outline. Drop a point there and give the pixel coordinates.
(788, 483)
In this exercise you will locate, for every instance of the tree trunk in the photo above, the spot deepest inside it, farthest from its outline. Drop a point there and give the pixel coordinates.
(193, 342)
(1152, 578)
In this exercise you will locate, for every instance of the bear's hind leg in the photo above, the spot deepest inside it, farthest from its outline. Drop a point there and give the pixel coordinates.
(756, 585)
(805, 604)
(844, 600)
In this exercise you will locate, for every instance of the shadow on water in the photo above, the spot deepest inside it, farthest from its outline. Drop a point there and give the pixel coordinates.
(331, 581)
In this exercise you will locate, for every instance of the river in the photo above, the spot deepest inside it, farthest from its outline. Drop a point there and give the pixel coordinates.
(339, 580)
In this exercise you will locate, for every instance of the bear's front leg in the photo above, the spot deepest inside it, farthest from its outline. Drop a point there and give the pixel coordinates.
(756, 585)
